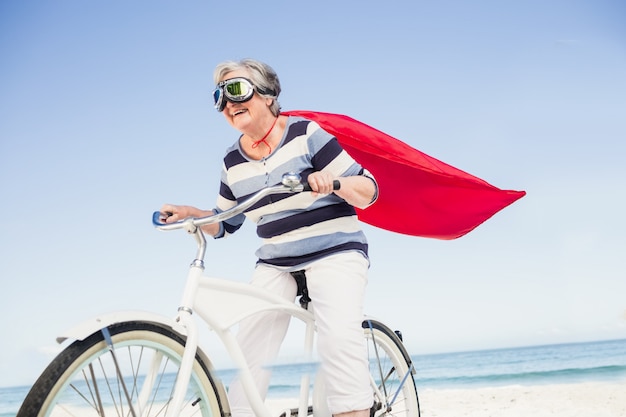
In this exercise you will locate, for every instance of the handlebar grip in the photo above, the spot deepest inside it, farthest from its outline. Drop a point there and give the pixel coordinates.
(307, 187)
(158, 218)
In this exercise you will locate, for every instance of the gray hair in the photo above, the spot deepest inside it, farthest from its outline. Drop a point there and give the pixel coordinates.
(262, 76)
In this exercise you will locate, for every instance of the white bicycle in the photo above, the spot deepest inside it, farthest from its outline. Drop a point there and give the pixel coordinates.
(145, 365)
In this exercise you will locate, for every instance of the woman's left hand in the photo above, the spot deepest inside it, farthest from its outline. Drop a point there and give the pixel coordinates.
(358, 191)
(321, 182)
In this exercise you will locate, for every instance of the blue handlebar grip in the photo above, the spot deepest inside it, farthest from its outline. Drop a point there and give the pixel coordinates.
(157, 218)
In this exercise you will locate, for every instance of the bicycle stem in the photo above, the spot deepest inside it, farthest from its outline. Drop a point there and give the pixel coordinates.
(201, 252)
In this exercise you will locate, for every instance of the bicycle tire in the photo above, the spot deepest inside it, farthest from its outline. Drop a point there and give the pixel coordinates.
(83, 380)
(392, 371)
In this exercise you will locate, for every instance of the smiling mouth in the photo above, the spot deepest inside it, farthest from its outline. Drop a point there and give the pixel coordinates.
(238, 112)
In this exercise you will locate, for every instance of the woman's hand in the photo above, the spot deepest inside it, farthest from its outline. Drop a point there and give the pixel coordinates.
(183, 212)
(177, 213)
(358, 191)
(321, 182)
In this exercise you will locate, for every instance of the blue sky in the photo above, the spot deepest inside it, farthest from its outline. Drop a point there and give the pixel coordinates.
(106, 113)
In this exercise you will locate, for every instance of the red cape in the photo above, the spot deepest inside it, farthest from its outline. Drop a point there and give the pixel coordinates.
(418, 194)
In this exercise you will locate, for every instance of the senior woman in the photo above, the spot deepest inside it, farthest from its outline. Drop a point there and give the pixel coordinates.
(316, 232)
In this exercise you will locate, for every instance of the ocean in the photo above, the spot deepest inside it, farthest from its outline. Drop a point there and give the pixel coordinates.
(534, 365)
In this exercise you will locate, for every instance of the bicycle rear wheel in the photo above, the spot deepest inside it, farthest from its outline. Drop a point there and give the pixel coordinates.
(391, 371)
(86, 379)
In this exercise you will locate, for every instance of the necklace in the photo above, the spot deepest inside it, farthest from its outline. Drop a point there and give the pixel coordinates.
(256, 143)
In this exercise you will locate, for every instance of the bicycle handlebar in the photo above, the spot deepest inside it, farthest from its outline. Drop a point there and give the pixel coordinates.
(291, 183)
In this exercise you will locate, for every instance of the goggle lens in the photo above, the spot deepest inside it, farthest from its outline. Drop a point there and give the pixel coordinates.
(236, 90)
(217, 97)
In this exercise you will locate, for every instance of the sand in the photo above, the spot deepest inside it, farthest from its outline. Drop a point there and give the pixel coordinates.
(592, 399)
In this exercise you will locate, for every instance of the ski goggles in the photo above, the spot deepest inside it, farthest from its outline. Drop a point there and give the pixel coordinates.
(236, 90)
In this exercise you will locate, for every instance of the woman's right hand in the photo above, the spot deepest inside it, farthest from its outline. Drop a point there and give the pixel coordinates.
(177, 213)
(183, 212)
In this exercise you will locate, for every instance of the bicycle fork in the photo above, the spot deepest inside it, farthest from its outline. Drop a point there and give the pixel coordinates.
(184, 318)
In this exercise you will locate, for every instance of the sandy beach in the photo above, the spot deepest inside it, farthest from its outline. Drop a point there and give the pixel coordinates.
(592, 399)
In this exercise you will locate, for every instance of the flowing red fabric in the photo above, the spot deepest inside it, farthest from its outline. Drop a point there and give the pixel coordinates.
(418, 194)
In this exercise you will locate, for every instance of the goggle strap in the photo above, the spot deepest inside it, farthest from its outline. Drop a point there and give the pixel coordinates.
(266, 92)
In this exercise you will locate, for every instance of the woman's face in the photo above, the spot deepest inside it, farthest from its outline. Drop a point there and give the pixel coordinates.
(243, 116)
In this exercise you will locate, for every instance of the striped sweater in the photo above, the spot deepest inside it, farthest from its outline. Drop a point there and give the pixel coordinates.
(295, 228)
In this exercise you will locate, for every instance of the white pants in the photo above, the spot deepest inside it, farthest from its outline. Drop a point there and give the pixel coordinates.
(337, 288)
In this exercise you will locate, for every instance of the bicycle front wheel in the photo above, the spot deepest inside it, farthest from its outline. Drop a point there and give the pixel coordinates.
(391, 372)
(135, 378)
